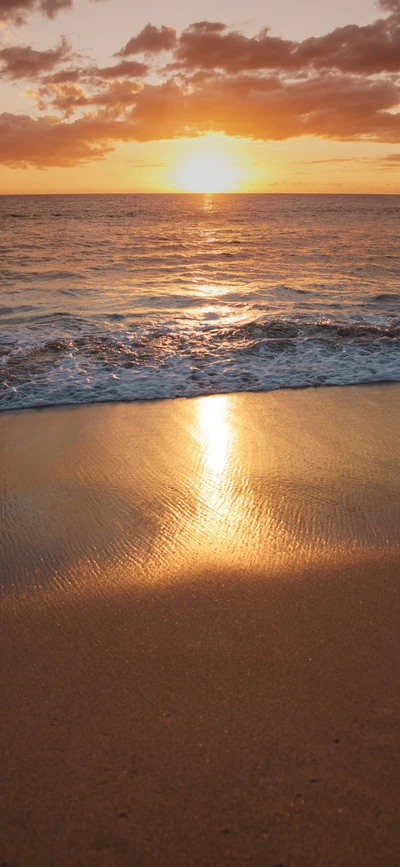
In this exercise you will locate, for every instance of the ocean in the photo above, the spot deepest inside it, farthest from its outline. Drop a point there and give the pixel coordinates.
(136, 297)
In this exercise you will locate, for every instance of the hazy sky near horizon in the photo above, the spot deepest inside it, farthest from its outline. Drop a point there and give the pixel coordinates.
(105, 95)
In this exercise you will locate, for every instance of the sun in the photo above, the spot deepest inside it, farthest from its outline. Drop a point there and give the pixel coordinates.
(207, 173)
(207, 168)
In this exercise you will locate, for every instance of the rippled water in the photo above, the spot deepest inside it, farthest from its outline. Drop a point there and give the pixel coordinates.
(143, 296)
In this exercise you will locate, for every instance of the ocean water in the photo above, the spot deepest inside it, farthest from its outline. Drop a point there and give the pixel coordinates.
(132, 297)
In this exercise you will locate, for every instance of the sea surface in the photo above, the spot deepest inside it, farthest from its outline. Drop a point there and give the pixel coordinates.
(132, 297)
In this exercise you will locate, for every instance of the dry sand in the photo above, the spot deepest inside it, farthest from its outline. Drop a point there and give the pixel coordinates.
(200, 632)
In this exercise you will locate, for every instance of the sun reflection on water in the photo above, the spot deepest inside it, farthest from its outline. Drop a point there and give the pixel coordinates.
(223, 504)
(207, 203)
(211, 289)
(216, 433)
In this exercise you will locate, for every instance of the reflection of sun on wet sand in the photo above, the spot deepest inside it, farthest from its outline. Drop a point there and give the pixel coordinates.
(199, 631)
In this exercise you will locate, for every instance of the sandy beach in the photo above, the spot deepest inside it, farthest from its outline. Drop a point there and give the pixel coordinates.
(199, 630)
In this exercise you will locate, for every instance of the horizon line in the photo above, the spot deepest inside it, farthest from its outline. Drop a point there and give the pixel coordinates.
(203, 194)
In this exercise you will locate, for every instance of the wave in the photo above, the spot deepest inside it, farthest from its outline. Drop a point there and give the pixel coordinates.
(142, 362)
(386, 297)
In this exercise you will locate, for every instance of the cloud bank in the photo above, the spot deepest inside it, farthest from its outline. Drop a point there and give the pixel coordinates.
(344, 85)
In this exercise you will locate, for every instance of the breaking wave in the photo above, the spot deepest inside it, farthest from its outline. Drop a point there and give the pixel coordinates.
(141, 363)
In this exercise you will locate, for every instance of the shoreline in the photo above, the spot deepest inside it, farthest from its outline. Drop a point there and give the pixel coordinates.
(200, 631)
(151, 400)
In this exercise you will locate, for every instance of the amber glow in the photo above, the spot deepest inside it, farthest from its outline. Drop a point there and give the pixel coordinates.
(198, 100)
(300, 165)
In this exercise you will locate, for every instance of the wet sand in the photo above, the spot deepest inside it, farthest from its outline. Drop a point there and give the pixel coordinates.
(199, 632)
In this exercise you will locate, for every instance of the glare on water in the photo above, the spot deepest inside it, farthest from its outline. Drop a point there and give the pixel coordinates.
(216, 433)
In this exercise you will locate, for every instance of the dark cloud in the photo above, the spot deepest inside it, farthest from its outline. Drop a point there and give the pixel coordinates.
(23, 61)
(126, 69)
(68, 74)
(205, 46)
(150, 40)
(390, 5)
(96, 74)
(371, 49)
(207, 27)
(16, 11)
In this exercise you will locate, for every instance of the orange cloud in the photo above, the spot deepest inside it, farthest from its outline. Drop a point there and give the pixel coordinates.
(338, 107)
(330, 106)
(47, 141)
(67, 97)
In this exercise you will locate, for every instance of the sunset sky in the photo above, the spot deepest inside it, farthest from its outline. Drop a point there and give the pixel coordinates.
(183, 95)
